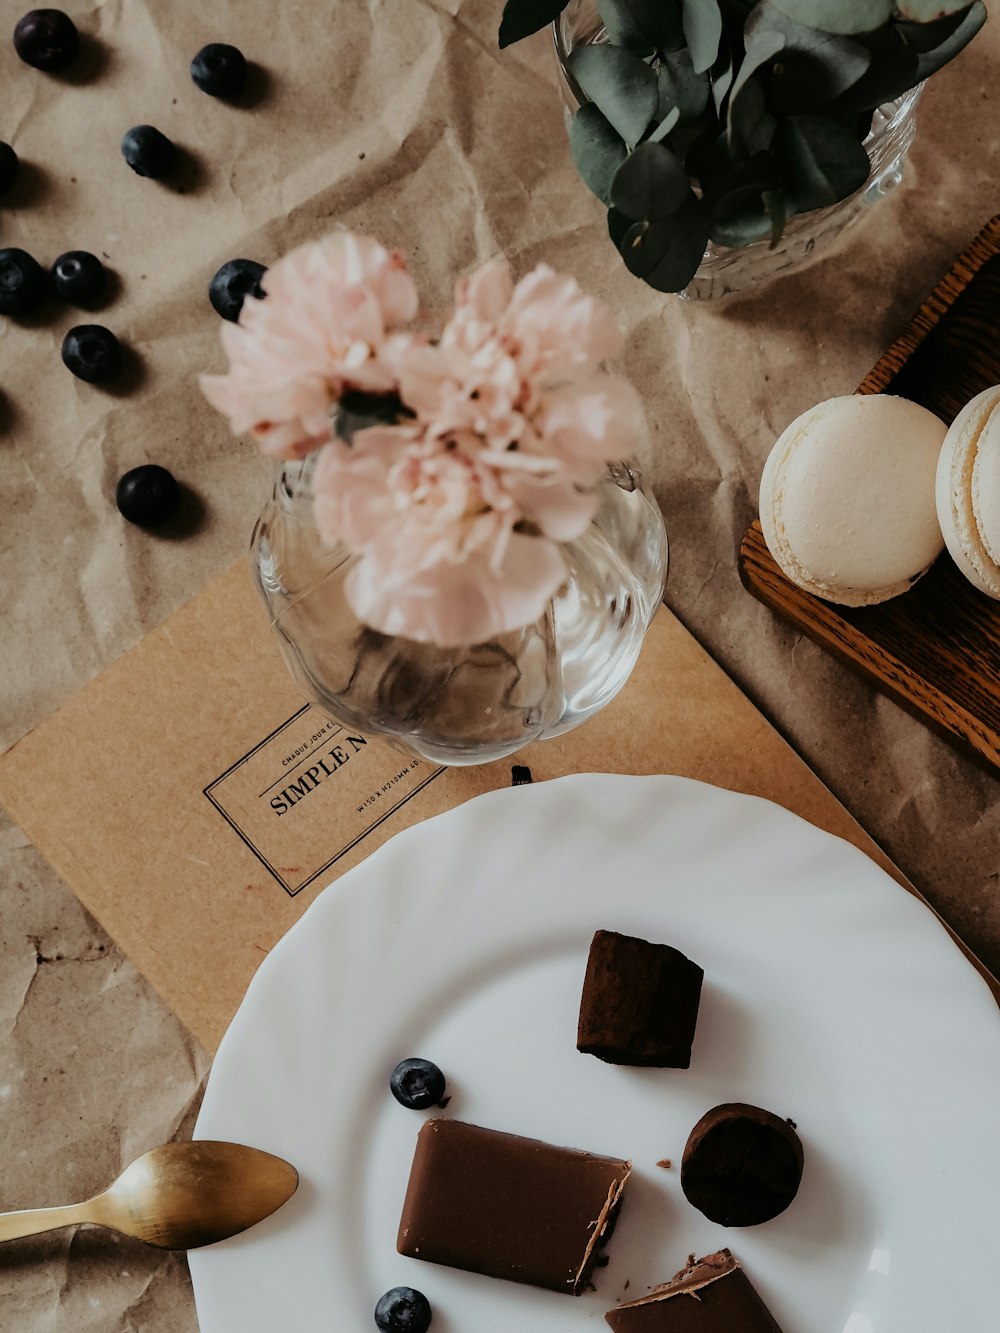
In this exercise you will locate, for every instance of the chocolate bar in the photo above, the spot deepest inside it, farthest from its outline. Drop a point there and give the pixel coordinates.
(507, 1206)
(741, 1165)
(710, 1295)
(639, 1004)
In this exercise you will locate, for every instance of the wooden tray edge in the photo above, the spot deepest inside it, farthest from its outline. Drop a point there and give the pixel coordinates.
(985, 246)
(820, 622)
(758, 571)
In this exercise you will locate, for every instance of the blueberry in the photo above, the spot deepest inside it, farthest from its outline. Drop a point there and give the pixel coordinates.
(417, 1084)
(22, 282)
(234, 282)
(92, 353)
(219, 70)
(403, 1310)
(148, 152)
(79, 277)
(46, 39)
(147, 496)
(8, 166)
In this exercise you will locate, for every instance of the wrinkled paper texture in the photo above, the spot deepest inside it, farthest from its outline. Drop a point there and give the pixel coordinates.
(400, 118)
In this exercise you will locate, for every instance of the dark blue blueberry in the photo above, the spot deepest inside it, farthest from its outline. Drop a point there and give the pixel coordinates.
(79, 278)
(219, 70)
(148, 496)
(8, 166)
(22, 282)
(148, 152)
(46, 39)
(92, 353)
(417, 1084)
(235, 281)
(401, 1309)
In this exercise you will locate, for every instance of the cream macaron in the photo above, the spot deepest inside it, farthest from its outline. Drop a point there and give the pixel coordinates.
(968, 491)
(847, 498)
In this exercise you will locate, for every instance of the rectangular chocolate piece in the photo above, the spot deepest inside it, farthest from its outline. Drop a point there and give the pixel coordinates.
(712, 1295)
(639, 1004)
(507, 1206)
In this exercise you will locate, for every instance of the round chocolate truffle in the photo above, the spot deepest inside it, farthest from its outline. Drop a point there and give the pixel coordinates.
(741, 1165)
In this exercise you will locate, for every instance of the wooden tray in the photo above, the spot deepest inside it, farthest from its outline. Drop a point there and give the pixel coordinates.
(935, 650)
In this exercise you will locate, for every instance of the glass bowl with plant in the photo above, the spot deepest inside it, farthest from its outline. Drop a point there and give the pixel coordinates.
(730, 139)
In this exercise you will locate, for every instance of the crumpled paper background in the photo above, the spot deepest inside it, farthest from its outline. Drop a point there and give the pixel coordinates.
(400, 118)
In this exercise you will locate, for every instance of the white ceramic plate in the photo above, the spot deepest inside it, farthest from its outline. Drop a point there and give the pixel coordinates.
(831, 996)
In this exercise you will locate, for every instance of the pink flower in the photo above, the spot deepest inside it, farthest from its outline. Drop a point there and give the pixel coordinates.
(453, 605)
(458, 512)
(323, 328)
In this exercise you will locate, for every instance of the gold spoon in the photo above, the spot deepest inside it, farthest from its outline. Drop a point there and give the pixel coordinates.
(177, 1197)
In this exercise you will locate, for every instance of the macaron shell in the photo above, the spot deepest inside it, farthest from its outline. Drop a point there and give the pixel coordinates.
(986, 486)
(954, 493)
(847, 498)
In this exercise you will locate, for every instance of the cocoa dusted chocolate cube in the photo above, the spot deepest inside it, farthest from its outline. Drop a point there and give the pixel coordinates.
(639, 1004)
(710, 1295)
(509, 1207)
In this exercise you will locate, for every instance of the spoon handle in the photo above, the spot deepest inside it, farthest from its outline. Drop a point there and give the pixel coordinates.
(33, 1221)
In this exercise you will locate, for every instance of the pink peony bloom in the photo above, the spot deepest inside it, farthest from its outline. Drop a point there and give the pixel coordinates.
(457, 513)
(322, 328)
(457, 604)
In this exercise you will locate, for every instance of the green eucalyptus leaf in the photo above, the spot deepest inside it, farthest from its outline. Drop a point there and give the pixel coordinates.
(618, 226)
(839, 16)
(702, 20)
(643, 25)
(523, 17)
(892, 72)
(650, 184)
(711, 156)
(751, 125)
(722, 78)
(774, 206)
(666, 254)
(623, 86)
(668, 123)
(814, 67)
(622, 20)
(742, 219)
(680, 86)
(598, 149)
(928, 36)
(926, 11)
(822, 162)
(762, 48)
(929, 62)
(738, 213)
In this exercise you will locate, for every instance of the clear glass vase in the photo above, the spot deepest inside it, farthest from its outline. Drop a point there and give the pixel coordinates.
(472, 704)
(725, 270)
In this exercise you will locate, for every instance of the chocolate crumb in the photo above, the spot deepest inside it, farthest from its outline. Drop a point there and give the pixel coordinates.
(665, 1162)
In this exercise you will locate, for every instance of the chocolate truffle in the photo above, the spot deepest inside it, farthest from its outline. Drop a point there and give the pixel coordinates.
(720, 1299)
(741, 1165)
(639, 1004)
(507, 1206)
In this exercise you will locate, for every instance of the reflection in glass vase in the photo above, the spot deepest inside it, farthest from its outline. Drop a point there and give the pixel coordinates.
(472, 704)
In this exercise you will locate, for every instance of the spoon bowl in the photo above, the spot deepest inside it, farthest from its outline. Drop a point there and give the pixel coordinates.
(177, 1197)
